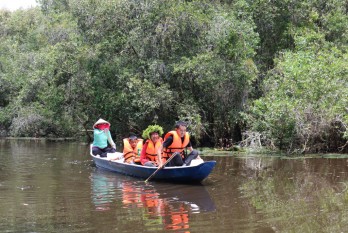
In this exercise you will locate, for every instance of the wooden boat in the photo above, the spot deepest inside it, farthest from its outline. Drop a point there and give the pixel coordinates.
(196, 172)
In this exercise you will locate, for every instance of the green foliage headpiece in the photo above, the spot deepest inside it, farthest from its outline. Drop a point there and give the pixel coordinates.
(150, 129)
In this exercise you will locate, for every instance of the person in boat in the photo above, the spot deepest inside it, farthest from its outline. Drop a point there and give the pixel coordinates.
(148, 156)
(102, 143)
(131, 149)
(177, 141)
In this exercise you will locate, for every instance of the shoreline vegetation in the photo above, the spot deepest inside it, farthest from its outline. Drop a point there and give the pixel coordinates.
(237, 151)
(39, 139)
(265, 75)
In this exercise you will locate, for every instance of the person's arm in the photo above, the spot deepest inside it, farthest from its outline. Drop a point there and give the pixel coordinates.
(190, 148)
(112, 144)
(168, 142)
(159, 156)
(165, 144)
(143, 158)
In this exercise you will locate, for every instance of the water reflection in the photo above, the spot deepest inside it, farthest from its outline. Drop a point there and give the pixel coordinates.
(161, 204)
(103, 191)
(52, 187)
(311, 194)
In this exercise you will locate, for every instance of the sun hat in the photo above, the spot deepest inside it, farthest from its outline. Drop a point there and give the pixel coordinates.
(100, 121)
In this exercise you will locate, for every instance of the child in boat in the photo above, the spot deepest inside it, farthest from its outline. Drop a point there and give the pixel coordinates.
(148, 156)
(102, 143)
(131, 149)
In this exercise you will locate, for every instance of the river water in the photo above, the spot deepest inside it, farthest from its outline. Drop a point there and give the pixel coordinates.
(54, 187)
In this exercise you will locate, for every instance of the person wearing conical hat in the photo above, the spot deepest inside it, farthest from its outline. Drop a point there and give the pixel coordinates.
(102, 143)
(148, 156)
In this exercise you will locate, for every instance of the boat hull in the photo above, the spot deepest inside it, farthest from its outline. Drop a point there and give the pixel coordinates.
(188, 174)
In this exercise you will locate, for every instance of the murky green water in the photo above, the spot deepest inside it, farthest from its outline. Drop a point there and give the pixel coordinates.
(54, 187)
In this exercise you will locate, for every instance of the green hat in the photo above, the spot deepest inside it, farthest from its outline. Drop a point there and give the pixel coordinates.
(150, 129)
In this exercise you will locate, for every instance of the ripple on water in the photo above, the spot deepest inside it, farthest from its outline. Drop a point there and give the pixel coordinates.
(55, 187)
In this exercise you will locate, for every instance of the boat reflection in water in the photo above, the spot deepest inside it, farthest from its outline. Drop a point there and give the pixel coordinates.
(164, 204)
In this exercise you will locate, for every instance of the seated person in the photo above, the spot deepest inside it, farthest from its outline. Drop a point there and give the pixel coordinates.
(148, 156)
(176, 141)
(131, 149)
(103, 142)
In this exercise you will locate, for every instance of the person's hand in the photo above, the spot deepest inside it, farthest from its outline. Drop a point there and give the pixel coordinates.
(113, 146)
(160, 165)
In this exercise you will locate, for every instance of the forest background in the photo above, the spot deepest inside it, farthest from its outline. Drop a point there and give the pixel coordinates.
(251, 73)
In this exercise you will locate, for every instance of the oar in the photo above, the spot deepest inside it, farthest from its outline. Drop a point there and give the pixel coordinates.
(168, 160)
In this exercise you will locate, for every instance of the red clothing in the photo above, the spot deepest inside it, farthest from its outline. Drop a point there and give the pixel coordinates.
(102, 126)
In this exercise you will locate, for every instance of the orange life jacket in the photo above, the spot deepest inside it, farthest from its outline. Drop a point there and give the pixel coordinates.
(151, 150)
(128, 152)
(177, 146)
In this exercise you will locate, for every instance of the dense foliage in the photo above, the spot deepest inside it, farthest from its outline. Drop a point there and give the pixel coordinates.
(228, 68)
(305, 94)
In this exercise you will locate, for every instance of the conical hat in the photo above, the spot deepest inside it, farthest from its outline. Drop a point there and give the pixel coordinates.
(101, 121)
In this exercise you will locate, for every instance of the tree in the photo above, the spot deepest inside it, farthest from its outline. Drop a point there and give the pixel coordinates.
(304, 107)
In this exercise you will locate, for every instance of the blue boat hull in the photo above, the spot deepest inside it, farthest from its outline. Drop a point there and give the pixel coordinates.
(187, 174)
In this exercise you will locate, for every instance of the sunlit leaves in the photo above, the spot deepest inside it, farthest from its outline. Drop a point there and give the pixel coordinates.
(307, 90)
